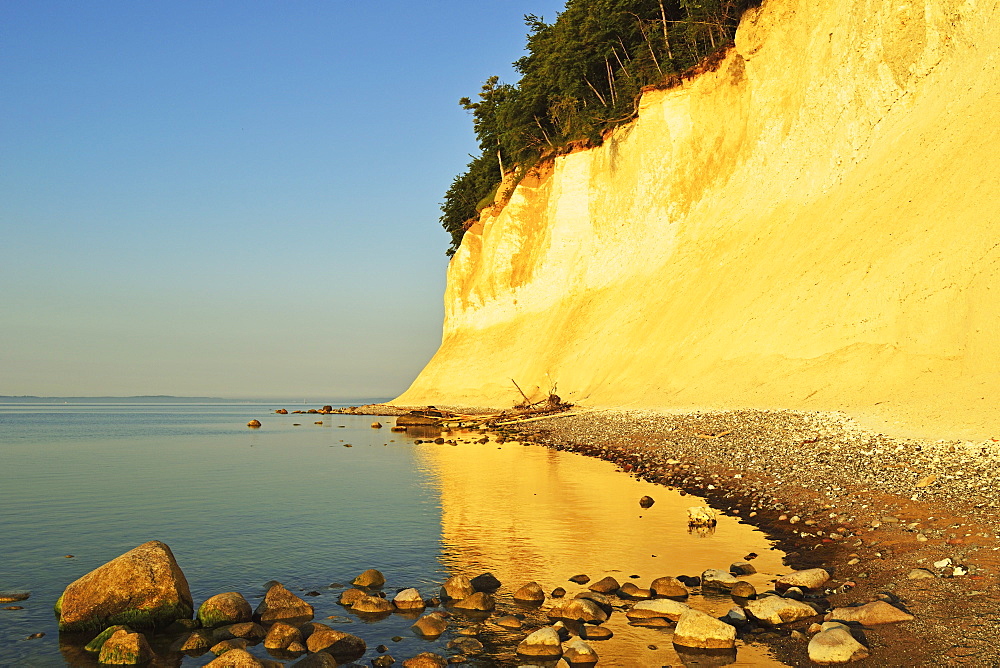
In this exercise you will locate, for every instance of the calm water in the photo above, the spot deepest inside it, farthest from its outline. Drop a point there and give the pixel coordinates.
(240, 507)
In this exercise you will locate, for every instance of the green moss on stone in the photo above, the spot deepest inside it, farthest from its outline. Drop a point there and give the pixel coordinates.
(147, 618)
(98, 642)
(58, 606)
(210, 618)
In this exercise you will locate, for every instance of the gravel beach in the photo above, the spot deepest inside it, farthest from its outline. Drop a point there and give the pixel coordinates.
(868, 508)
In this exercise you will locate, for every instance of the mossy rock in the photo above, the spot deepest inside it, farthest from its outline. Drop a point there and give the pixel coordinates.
(227, 608)
(123, 648)
(98, 642)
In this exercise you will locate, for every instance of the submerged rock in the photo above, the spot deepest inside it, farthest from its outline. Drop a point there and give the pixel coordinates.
(370, 579)
(142, 588)
(408, 599)
(607, 585)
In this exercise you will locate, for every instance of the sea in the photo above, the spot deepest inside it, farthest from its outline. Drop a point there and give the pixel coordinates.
(312, 500)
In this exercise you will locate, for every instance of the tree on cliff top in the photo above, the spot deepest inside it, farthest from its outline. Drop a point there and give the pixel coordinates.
(583, 75)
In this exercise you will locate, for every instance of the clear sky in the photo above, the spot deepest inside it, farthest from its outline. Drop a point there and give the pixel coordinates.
(234, 199)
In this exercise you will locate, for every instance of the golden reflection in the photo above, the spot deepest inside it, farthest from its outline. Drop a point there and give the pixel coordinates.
(529, 513)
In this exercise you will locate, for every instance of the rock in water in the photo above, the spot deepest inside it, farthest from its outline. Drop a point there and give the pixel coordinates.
(351, 596)
(485, 582)
(702, 516)
(321, 660)
(646, 502)
(714, 578)
(702, 631)
(457, 587)
(667, 608)
(835, 645)
(479, 601)
(343, 646)
(579, 653)
(669, 588)
(408, 599)
(372, 579)
(426, 660)
(576, 609)
(742, 568)
(281, 635)
(240, 658)
(227, 608)
(430, 626)
(606, 585)
(530, 593)
(543, 643)
(279, 603)
(142, 588)
(98, 642)
(254, 424)
(372, 605)
(123, 648)
(743, 589)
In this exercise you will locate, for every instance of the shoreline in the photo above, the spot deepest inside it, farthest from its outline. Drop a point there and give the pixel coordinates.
(867, 507)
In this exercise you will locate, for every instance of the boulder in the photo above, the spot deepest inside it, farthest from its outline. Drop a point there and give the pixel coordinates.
(702, 516)
(742, 568)
(530, 593)
(876, 612)
(578, 609)
(98, 642)
(580, 579)
(508, 622)
(543, 644)
(249, 630)
(743, 589)
(669, 588)
(646, 502)
(721, 580)
(479, 601)
(431, 625)
(343, 646)
(595, 632)
(123, 648)
(408, 599)
(370, 579)
(320, 660)
(197, 641)
(457, 588)
(667, 608)
(629, 590)
(426, 660)
(811, 578)
(485, 582)
(240, 658)
(227, 608)
(699, 630)
(606, 585)
(281, 635)
(372, 605)
(142, 588)
(351, 596)
(777, 610)
(279, 603)
(578, 653)
(466, 645)
(835, 645)
(224, 646)
(603, 600)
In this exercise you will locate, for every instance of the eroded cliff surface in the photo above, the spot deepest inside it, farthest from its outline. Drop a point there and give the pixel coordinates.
(812, 226)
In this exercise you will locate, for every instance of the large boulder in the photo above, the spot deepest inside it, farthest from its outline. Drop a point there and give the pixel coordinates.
(811, 578)
(702, 631)
(123, 648)
(777, 610)
(279, 603)
(876, 612)
(143, 588)
(227, 608)
(835, 645)
(666, 608)
(543, 644)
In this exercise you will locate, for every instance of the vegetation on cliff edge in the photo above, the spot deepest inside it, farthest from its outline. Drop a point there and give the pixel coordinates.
(583, 75)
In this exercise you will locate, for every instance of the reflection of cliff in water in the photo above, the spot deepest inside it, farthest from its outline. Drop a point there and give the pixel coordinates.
(533, 513)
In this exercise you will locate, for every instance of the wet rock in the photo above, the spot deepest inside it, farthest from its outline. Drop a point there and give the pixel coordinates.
(282, 411)
(320, 660)
(876, 612)
(96, 644)
(629, 590)
(240, 658)
(430, 625)
(742, 568)
(509, 622)
(281, 635)
(543, 644)
(343, 646)
(408, 599)
(699, 630)
(195, 642)
(466, 645)
(248, 630)
(457, 587)
(377, 425)
(744, 590)
(578, 653)
(254, 424)
(794, 592)
(227, 608)
(776, 610)
(646, 502)
(351, 596)
(372, 605)
(279, 603)
(721, 580)
(479, 601)
(812, 579)
(123, 648)
(667, 608)
(485, 582)
(370, 579)
(580, 579)
(530, 593)
(669, 588)
(14, 595)
(143, 587)
(558, 592)
(607, 585)
(689, 580)
(426, 660)
(578, 609)
(224, 646)
(595, 632)
(702, 516)
(834, 646)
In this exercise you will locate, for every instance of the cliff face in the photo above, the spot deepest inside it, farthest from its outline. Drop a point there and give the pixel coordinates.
(814, 225)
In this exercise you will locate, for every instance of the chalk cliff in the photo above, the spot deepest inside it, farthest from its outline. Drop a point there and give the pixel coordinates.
(814, 225)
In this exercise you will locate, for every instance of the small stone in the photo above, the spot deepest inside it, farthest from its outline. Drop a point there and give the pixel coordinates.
(430, 625)
(794, 593)
(224, 646)
(376, 425)
(408, 599)
(702, 516)
(661, 607)
(98, 642)
(558, 592)
(485, 582)
(281, 636)
(509, 622)
(11, 596)
(249, 630)
(812, 578)
(254, 424)
(606, 585)
(926, 481)
(279, 603)
(743, 589)
(920, 574)
(595, 632)
(576, 609)
(466, 645)
(426, 660)
(714, 578)
(580, 579)
(195, 642)
(227, 608)
(629, 590)
(776, 610)
(742, 568)
(530, 593)
(579, 653)
(646, 502)
(387, 660)
(372, 605)
(343, 646)
(543, 643)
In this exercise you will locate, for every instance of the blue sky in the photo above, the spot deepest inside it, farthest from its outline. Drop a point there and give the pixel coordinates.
(233, 199)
